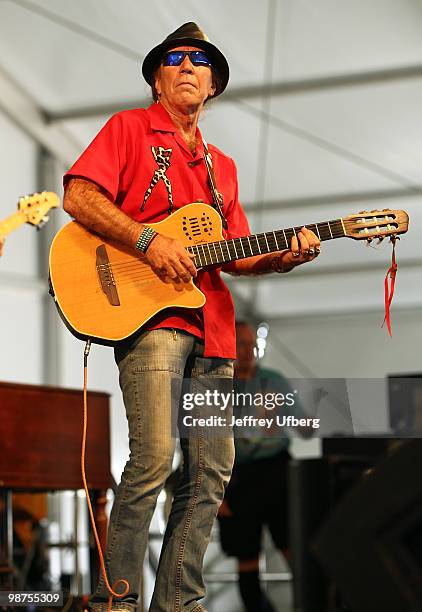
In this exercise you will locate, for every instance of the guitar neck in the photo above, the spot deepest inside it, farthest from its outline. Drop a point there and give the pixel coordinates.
(225, 251)
(11, 223)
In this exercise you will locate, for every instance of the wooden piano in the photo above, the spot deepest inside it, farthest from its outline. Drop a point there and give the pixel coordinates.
(41, 435)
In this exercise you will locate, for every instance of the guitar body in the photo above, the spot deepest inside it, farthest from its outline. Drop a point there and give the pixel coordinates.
(106, 292)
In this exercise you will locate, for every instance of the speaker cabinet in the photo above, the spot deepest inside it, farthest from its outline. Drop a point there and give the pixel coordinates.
(371, 544)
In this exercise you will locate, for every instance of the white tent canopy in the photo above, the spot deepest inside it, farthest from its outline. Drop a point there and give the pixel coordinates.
(322, 107)
(322, 116)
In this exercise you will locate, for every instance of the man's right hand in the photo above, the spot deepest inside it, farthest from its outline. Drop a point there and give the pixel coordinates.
(170, 260)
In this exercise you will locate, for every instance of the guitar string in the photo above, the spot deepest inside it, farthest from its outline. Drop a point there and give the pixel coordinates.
(126, 272)
(127, 279)
(258, 237)
(130, 275)
(230, 245)
(204, 255)
(129, 265)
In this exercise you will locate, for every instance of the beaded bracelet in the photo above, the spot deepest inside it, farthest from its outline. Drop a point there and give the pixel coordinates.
(145, 239)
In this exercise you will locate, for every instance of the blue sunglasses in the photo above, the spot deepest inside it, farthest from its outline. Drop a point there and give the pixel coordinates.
(175, 58)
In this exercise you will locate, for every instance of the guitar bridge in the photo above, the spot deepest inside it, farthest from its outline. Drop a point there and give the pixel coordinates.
(105, 274)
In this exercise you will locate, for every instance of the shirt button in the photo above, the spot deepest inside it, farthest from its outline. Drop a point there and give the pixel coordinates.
(194, 162)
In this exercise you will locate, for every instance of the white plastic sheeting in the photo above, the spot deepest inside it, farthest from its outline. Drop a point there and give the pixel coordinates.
(322, 115)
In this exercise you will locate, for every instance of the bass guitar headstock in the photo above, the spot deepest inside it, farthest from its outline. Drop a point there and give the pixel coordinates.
(36, 206)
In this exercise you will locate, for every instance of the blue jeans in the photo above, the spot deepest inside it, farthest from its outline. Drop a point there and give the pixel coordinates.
(151, 376)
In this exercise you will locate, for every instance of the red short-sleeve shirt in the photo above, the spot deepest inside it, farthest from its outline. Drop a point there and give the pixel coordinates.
(148, 170)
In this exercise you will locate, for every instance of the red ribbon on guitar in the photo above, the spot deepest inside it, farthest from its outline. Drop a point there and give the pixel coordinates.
(389, 287)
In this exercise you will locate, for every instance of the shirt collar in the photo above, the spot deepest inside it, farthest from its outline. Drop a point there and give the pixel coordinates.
(160, 119)
(161, 122)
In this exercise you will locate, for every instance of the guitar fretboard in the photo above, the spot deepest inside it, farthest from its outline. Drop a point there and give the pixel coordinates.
(224, 251)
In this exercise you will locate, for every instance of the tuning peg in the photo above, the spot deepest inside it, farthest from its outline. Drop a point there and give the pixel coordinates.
(42, 222)
(368, 241)
(380, 239)
(363, 212)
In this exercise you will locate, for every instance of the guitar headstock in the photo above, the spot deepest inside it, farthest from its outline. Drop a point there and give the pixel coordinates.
(36, 206)
(377, 224)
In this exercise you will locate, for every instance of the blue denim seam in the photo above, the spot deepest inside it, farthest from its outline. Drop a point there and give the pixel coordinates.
(138, 421)
(223, 371)
(186, 527)
(155, 368)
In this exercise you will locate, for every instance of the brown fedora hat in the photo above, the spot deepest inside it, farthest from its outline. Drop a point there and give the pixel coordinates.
(189, 35)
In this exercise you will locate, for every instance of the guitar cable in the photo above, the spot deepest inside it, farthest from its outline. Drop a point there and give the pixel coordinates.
(111, 589)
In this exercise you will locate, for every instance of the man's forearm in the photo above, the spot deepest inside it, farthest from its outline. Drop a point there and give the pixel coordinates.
(92, 209)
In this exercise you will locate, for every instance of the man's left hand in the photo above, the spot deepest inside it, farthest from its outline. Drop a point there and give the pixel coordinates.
(304, 247)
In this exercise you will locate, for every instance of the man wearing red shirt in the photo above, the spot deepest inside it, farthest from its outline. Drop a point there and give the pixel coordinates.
(141, 167)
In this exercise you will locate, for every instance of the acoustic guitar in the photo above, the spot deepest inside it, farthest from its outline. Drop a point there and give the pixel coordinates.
(106, 292)
(32, 209)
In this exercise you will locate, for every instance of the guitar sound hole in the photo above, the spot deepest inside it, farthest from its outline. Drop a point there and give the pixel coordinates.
(195, 227)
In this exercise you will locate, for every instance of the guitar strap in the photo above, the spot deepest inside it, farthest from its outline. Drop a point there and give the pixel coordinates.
(217, 197)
